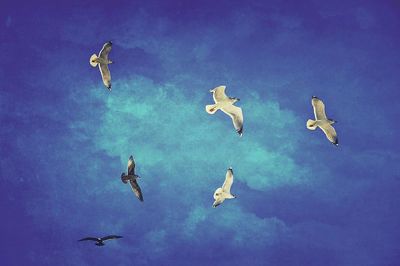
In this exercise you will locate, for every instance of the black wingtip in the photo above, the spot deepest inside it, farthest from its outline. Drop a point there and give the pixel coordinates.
(314, 97)
(240, 132)
(336, 143)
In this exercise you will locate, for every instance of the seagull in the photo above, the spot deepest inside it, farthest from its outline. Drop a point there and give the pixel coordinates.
(224, 192)
(100, 240)
(322, 121)
(103, 62)
(225, 103)
(131, 177)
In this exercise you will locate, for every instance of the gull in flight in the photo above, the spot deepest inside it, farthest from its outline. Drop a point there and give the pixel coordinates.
(100, 240)
(322, 121)
(224, 192)
(103, 62)
(225, 103)
(131, 177)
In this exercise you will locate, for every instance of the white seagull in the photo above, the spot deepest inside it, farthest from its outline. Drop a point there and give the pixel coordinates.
(103, 62)
(225, 103)
(322, 121)
(224, 192)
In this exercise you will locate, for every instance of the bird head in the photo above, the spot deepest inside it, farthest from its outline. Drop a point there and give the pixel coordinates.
(217, 193)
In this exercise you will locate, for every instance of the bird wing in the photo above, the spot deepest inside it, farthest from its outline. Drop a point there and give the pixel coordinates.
(219, 94)
(136, 189)
(131, 166)
(330, 133)
(89, 238)
(319, 108)
(105, 50)
(217, 202)
(110, 237)
(237, 117)
(105, 75)
(228, 181)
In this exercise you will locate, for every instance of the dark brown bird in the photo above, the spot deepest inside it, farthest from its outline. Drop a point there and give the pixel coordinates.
(100, 240)
(132, 178)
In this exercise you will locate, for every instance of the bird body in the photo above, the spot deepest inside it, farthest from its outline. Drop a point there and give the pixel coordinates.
(226, 105)
(321, 121)
(224, 192)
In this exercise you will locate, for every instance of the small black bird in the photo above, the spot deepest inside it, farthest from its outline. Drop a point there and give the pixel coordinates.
(100, 241)
(131, 177)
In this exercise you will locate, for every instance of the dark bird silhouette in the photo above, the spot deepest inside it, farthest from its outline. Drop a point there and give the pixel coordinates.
(132, 178)
(100, 241)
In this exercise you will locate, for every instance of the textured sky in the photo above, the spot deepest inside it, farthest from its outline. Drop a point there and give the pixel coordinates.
(64, 139)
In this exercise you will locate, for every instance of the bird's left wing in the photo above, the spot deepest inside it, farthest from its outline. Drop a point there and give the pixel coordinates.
(105, 75)
(131, 166)
(110, 237)
(228, 181)
(105, 50)
(88, 238)
(237, 117)
(217, 202)
(136, 189)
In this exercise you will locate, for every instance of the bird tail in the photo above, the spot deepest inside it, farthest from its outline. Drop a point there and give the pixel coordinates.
(229, 196)
(124, 178)
(92, 60)
(311, 124)
(211, 109)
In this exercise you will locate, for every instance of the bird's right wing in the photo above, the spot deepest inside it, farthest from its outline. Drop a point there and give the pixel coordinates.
(237, 117)
(105, 50)
(88, 238)
(136, 189)
(319, 108)
(131, 166)
(105, 75)
(110, 237)
(330, 133)
(228, 181)
(219, 94)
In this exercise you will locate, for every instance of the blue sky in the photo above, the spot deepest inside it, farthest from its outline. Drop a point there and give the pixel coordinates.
(64, 139)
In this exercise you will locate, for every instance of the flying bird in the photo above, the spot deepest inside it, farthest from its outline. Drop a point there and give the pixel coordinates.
(322, 121)
(132, 178)
(103, 62)
(100, 240)
(225, 104)
(224, 192)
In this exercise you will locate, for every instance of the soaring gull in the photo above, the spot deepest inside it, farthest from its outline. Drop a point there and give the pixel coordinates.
(224, 192)
(225, 104)
(100, 240)
(103, 62)
(131, 177)
(322, 121)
